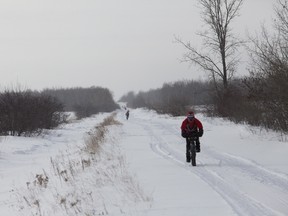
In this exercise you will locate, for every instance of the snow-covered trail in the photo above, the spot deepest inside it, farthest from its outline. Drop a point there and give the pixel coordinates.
(221, 184)
(239, 173)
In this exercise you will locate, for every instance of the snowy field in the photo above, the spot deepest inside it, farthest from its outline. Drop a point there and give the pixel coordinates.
(140, 170)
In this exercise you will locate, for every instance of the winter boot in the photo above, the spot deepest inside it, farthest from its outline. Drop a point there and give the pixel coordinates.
(188, 158)
(198, 147)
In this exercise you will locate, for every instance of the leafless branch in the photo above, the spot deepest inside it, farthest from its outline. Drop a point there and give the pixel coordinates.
(218, 40)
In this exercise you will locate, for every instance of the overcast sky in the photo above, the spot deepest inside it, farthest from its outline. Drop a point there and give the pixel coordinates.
(123, 45)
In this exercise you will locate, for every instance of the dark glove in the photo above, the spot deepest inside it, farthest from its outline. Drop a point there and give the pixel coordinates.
(200, 133)
(183, 134)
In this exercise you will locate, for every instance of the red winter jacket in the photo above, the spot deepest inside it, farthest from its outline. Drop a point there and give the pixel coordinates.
(194, 125)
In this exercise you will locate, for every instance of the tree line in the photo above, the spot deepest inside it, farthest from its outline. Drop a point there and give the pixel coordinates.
(27, 112)
(84, 101)
(171, 98)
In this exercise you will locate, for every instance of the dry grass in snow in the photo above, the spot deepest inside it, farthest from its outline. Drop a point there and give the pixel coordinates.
(92, 179)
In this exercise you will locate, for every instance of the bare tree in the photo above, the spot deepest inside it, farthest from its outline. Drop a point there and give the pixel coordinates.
(218, 55)
(281, 21)
(269, 71)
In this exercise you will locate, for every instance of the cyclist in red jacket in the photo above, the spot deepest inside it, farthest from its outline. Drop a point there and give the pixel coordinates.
(191, 126)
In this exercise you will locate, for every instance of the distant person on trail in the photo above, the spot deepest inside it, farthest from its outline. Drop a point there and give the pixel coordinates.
(191, 126)
(127, 114)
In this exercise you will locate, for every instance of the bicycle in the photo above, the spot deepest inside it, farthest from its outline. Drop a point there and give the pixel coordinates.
(192, 142)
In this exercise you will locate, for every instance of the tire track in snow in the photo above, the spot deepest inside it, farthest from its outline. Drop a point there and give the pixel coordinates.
(273, 185)
(257, 172)
(254, 170)
(240, 202)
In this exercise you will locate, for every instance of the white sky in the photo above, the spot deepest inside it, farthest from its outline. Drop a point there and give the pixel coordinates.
(121, 45)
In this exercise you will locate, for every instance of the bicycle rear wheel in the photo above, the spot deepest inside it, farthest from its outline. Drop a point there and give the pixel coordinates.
(193, 153)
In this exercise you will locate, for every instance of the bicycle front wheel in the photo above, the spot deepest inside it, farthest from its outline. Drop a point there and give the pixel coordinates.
(193, 158)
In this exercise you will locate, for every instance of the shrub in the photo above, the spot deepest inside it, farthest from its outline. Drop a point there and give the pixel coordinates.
(27, 112)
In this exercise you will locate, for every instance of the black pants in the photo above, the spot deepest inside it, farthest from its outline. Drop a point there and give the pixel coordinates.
(188, 145)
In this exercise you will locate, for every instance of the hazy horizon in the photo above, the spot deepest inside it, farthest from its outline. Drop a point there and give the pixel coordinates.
(123, 46)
